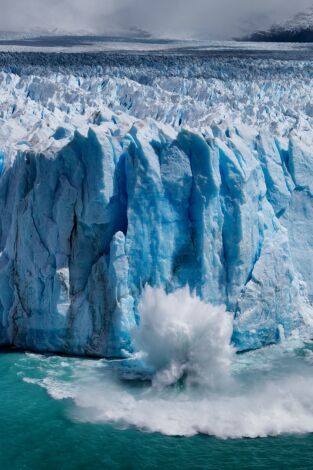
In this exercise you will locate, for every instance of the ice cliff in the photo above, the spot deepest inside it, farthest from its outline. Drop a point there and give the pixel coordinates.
(113, 179)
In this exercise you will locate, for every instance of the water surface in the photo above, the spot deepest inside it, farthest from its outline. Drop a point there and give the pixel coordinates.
(40, 432)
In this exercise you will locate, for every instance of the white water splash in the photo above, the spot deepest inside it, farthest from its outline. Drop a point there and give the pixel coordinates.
(180, 335)
(257, 394)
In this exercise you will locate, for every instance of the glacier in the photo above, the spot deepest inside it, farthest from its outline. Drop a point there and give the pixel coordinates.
(166, 172)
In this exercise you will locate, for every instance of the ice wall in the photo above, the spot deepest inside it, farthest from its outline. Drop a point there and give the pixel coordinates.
(84, 231)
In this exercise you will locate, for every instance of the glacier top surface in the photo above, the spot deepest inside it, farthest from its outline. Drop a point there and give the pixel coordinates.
(118, 43)
(45, 98)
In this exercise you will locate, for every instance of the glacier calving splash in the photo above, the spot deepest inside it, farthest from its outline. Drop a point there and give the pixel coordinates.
(120, 177)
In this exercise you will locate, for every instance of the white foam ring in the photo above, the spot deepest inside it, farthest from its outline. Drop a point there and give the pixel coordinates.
(262, 393)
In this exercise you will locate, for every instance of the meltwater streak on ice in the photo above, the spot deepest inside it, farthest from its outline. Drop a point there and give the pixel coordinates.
(261, 393)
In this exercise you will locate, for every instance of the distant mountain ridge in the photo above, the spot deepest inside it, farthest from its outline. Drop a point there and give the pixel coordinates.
(297, 29)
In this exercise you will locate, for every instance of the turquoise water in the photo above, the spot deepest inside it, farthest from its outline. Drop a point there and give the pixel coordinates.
(40, 432)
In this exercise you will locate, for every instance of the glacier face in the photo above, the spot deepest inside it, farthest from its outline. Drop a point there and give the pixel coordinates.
(118, 177)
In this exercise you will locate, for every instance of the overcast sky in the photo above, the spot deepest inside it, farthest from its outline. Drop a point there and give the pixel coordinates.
(217, 18)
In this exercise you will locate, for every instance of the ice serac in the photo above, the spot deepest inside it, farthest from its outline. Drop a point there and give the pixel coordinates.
(103, 193)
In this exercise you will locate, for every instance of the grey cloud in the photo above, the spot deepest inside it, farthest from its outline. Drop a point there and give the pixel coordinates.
(215, 18)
